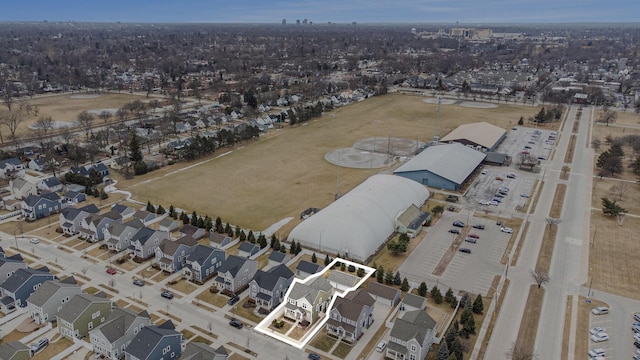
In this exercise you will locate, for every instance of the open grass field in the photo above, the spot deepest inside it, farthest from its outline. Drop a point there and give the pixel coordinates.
(282, 174)
(66, 107)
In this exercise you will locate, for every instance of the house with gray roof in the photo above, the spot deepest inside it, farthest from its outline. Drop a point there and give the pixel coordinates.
(50, 183)
(116, 333)
(36, 207)
(306, 268)
(73, 198)
(171, 255)
(21, 284)
(9, 265)
(383, 293)
(92, 227)
(277, 258)
(411, 336)
(70, 218)
(11, 168)
(168, 224)
(125, 211)
(308, 302)
(155, 342)
(14, 350)
(83, 313)
(21, 188)
(268, 288)
(220, 241)
(45, 303)
(247, 249)
(203, 262)
(202, 351)
(235, 273)
(350, 315)
(342, 280)
(145, 241)
(412, 302)
(144, 216)
(196, 232)
(118, 235)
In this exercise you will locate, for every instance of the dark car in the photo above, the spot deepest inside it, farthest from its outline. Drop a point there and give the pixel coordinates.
(459, 224)
(475, 236)
(166, 294)
(478, 226)
(236, 324)
(314, 357)
(138, 282)
(465, 250)
(471, 240)
(234, 299)
(454, 231)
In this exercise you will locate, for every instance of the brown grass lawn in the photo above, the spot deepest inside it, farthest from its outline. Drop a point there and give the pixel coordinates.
(53, 349)
(202, 339)
(66, 107)
(148, 272)
(529, 324)
(323, 342)
(246, 313)
(610, 244)
(184, 286)
(628, 117)
(216, 300)
(205, 331)
(392, 262)
(606, 188)
(297, 333)
(549, 237)
(568, 156)
(237, 356)
(267, 188)
(342, 350)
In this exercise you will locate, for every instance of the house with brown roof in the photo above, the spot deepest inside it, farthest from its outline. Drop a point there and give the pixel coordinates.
(307, 303)
(171, 255)
(350, 315)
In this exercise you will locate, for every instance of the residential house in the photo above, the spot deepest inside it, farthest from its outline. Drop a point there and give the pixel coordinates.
(171, 255)
(15, 350)
(235, 273)
(76, 188)
(194, 231)
(145, 241)
(92, 227)
(112, 337)
(203, 262)
(202, 351)
(411, 336)
(168, 225)
(118, 236)
(268, 288)
(70, 218)
(36, 207)
(412, 302)
(72, 197)
(144, 216)
(220, 241)
(83, 313)
(350, 315)
(384, 294)
(124, 211)
(22, 188)
(50, 184)
(23, 283)
(99, 167)
(307, 303)
(119, 163)
(9, 265)
(11, 168)
(46, 302)
(342, 280)
(155, 342)
(247, 249)
(277, 258)
(306, 268)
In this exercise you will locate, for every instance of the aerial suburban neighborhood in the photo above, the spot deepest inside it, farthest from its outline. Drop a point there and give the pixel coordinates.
(319, 190)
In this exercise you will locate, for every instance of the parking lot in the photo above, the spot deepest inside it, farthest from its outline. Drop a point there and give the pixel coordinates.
(605, 322)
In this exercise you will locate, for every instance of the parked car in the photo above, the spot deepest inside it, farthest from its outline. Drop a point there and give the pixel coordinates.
(465, 250)
(138, 282)
(381, 346)
(478, 226)
(494, 203)
(459, 224)
(499, 195)
(236, 324)
(39, 345)
(483, 172)
(111, 271)
(313, 357)
(497, 199)
(596, 352)
(506, 230)
(524, 195)
(511, 176)
(454, 231)
(636, 317)
(167, 294)
(34, 241)
(234, 300)
(471, 240)
(597, 329)
(474, 236)
(499, 178)
(600, 337)
(635, 328)
(600, 310)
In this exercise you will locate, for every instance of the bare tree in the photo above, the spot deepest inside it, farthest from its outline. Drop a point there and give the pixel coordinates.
(618, 190)
(12, 119)
(105, 116)
(540, 277)
(551, 221)
(85, 120)
(518, 353)
(44, 124)
(595, 144)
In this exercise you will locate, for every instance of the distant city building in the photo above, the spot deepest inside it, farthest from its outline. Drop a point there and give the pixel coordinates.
(297, 21)
(304, 21)
(284, 21)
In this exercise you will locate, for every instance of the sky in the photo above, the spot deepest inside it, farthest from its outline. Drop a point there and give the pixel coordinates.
(323, 11)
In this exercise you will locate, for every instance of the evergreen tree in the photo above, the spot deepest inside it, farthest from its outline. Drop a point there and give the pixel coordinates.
(380, 274)
(521, 121)
(200, 222)
(208, 223)
(283, 248)
(219, 227)
(298, 248)
(150, 207)
(243, 236)
(327, 260)
(434, 290)
(470, 325)
(464, 300)
(443, 352)
(314, 259)
(454, 302)
(262, 241)
(456, 349)
(160, 210)
(172, 211)
(251, 237)
(437, 298)
(422, 289)
(292, 248)
(277, 246)
(228, 230)
(405, 285)
(184, 217)
(397, 280)
(448, 296)
(452, 334)
(238, 231)
(272, 242)
(478, 305)
(194, 218)
(388, 277)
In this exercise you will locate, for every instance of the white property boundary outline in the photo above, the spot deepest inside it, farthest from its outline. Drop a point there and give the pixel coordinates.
(263, 326)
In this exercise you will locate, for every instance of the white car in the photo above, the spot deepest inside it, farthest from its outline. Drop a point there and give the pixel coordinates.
(596, 330)
(600, 310)
(524, 195)
(483, 202)
(507, 230)
(595, 353)
(600, 337)
(494, 203)
(34, 241)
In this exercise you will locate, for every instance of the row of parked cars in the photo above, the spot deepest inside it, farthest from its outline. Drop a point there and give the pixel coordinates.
(471, 238)
(598, 334)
